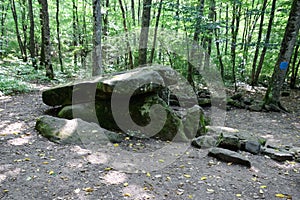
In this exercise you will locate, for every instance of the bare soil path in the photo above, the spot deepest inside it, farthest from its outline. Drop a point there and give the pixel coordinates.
(31, 167)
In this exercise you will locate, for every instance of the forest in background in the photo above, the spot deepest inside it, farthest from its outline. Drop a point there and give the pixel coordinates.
(44, 40)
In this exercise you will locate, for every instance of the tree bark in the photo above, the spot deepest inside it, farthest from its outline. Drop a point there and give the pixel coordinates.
(264, 51)
(97, 54)
(258, 42)
(46, 39)
(155, 31)
(20, 42)
(272, 97)
(143, 44)
(126, 35)
(58, 36)
(295, 67)
(31, 36)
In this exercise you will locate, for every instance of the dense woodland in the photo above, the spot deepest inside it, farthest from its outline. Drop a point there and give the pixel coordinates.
(254, 42)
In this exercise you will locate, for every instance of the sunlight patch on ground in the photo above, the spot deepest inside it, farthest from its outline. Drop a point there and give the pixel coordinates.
(136, 192)
(9, 173)
(19, 141)
(80, 151)
(114, 178)
(98, 158)
(8, 128)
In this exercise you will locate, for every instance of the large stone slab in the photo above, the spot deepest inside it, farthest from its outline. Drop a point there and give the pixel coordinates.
(229, 156)
(142, 111)
(145, 80)
(75, 131)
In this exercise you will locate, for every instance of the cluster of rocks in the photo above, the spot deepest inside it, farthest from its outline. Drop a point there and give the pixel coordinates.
(143, 103)
(140, 102)
(226, 144)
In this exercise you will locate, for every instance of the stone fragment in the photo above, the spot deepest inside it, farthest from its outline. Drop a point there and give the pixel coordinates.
(205, 141)
(229, 156)
(252, 147)
(75, 131)
(229, 141)
(277, 154)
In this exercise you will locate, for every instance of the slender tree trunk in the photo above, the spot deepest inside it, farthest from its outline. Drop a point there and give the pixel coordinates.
(75, 32)
(97, 54)
(258, 42)
(272, 97)
(227, 29)
(126, 35)
(58, 36)
(264, 51)
(195, 42)
(42, 51)
(105, 19)
(20, 42)
(217, 39)
(24, 27)
(46, 39)
(234, 30)
(155, 31)
(4, 10)
(295, 67)
(133, 13)
(32, 36)
(143, 44)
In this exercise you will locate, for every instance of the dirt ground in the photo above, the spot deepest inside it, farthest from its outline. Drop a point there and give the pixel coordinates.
(31, 167)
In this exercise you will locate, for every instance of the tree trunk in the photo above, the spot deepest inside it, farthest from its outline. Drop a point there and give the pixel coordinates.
(264, 51)
(143, 44)
(155, 31)
(272, 97)
(258, 42)
(97, 54)
(4, 10)
(195, 43)
(126, 35)
(20, 42)
(58, 36)
(219, 56)
(31, 36)
(75, 32)
(234, 32)
(295, 67)
(46, 39)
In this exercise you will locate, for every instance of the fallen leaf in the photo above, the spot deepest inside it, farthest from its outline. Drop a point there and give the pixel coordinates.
(238, 195)
(210, 191)
(148, 174)
(190, 196)
(229, 164)
(108, 169)
(161, 160)
(280, 195)
(125, 184)
(187, 176)
(116, 145)
(263, 186)
(261, 191)
(51, 172)
(127, 195)
(203, 178)
(26, 159)
(88, 189)
(45, 163)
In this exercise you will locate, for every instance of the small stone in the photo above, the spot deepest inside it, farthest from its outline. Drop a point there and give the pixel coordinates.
(277, 155)
(205, 141)
(252, 147)
(229, 156)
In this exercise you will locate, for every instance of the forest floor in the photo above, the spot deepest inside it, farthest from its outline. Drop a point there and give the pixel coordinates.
(31, 167)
